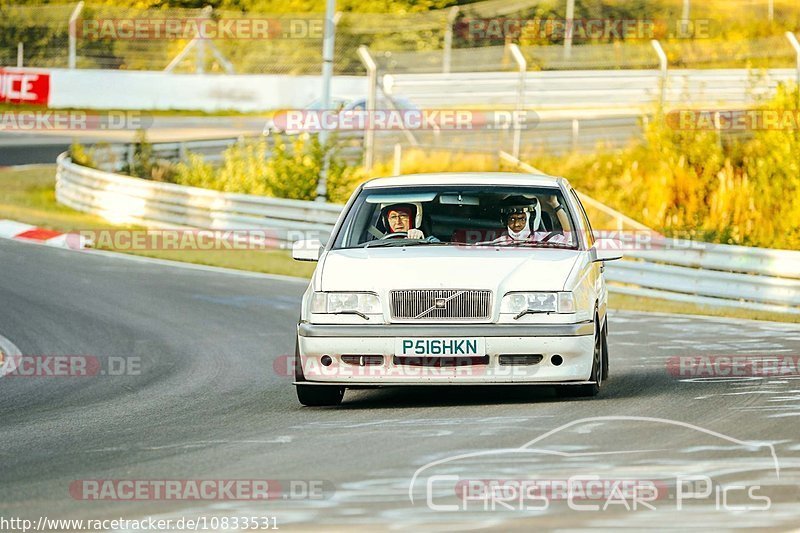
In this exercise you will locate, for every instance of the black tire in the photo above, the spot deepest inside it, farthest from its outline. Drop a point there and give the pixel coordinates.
(320, 395)
(314, 395)
(599, 368)
(605, 350)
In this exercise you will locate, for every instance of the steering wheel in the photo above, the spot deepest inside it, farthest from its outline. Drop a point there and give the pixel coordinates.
(395, 235)
(552, 234)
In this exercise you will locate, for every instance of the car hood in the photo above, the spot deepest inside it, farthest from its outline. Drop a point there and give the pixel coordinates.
(447, 267)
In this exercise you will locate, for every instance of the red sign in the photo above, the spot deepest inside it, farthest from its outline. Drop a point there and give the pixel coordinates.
(24, 87)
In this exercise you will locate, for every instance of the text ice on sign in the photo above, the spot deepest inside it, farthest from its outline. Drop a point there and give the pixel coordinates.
(22, 87)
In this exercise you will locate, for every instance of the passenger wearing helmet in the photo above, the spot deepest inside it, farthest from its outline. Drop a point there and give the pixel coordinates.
(402, 218)
(523, 220)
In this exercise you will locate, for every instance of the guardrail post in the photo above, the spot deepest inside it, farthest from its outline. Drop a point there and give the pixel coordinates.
(19, 54)
(662, 60)
(793, 41)
(372, 95)
(523, 68)
(448, 39)
(129, 156)
(576, 131)
(73, 35)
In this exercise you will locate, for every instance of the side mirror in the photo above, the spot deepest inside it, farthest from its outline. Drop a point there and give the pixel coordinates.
(307, 250)
(606, 250)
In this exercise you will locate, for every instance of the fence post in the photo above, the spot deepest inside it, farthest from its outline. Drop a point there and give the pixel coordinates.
(328, 41)
(200, 58)
(20, 55)
(569, 29)
(372, 94)
(793, 41)
(398, 159)
(73, 35)
(523, 67)
(448, 39)
(685, 19)
(662, 60)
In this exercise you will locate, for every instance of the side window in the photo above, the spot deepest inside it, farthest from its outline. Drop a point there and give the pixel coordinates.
(589, 230)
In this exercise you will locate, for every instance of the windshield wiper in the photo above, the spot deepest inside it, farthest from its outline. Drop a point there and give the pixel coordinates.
(353, 312)
(400, 242)
(531, 312)
(539, 244)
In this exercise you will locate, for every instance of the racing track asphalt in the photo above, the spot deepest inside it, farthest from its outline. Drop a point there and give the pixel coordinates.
(209, 405)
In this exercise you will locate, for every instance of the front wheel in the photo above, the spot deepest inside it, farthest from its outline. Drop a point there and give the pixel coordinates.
(320, 395)
(599, 368)
(314, 395)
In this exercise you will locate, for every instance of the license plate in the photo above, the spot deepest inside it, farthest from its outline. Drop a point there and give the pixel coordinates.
(440, 347)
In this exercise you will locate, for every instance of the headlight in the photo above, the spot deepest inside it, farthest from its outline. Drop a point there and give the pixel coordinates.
(345, 302)
(517, 303)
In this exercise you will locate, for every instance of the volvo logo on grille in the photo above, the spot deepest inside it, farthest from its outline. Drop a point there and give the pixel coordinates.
(441, 303)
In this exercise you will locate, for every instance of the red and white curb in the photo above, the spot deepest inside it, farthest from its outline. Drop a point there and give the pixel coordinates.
(11, 229)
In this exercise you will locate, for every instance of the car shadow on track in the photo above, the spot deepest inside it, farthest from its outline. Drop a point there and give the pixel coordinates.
(623, 386)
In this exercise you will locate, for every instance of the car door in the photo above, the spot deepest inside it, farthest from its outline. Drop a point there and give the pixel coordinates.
(598, 281)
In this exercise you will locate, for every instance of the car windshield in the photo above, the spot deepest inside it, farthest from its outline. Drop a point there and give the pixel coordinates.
(458, 215)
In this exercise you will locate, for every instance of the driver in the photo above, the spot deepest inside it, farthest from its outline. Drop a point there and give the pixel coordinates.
(401, 218)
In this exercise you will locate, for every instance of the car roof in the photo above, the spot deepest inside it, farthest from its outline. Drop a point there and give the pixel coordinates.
(467, 178)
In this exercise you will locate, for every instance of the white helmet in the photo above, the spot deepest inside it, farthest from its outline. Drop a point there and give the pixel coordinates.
(521, 204)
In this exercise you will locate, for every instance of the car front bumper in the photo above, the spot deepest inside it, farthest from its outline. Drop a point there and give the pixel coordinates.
(573, 343)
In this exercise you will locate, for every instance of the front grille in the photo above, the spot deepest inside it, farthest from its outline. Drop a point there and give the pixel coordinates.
(433, 304)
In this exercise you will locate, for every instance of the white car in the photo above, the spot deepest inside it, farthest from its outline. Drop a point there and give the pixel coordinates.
(461, 297)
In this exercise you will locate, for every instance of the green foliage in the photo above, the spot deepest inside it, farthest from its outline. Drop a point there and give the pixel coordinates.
(143, 163)
(80, 156)
(695, 184)
(286, 171)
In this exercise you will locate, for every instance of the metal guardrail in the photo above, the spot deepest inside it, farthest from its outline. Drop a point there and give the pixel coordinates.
(554, 136)
(124, 199)
(212, 150)
(710, 274)
(588, 88)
